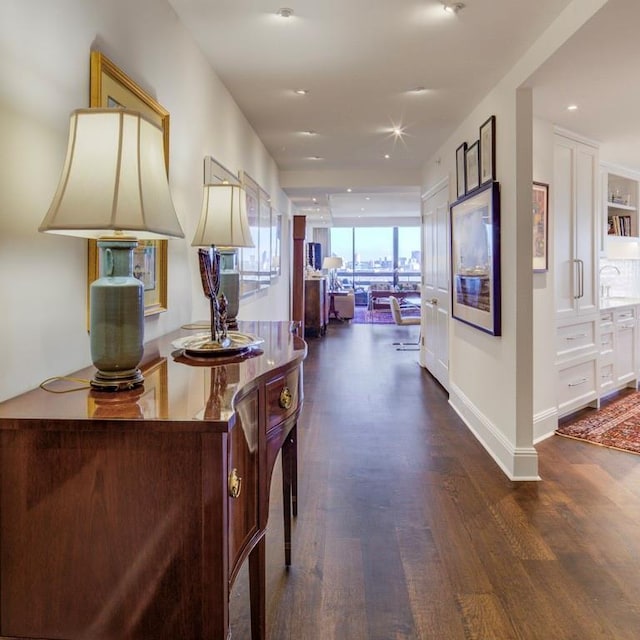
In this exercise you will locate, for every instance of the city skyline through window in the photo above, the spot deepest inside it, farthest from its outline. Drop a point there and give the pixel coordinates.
(388, 255)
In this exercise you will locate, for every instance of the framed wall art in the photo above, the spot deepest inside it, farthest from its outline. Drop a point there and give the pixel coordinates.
(472, 168)
(112, 88)
(540, 226)
(250, 256)
(461, 171)
(475, 259)
(488, 151)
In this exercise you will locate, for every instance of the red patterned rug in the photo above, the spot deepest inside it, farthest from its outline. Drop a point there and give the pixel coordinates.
(363, 316)
(616, 425)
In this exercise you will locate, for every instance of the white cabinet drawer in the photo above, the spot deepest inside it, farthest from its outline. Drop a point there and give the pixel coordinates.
(606, 342)
(573, 339)
(606, 377)
(577, 385)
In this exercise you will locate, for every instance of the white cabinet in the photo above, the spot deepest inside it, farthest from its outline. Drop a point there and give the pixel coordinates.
(625, 346)
(618, 343)
(575, 188)
(576, 248)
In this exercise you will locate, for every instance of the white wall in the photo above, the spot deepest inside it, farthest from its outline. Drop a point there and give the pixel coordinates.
(492, 378)
(545, 401)
(44, 75)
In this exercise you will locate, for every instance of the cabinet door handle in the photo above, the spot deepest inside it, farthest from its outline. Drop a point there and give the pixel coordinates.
(581, 278)
(234, 483)
(576, 336)
(627, 326)
(577, 383)
(286, 399)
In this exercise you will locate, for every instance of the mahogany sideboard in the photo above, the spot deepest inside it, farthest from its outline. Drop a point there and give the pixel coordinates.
(127, 515)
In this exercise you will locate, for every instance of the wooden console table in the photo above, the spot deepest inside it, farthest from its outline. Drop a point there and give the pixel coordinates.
(128, 515)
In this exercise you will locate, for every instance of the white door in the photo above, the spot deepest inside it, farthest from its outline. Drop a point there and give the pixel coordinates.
(434, 350)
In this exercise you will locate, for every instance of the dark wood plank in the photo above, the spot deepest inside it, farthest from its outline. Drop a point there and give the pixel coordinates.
(407, 529)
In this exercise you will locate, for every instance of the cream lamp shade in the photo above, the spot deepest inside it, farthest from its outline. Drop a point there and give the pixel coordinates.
(332, 262)
(114, 179)
(114, 188)
(223, 221)
(224, 226)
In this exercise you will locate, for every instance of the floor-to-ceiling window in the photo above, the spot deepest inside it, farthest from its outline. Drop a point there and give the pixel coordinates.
(376, 255)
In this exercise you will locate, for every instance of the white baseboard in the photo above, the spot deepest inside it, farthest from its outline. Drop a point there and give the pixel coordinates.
(545, 424)
(518, 463)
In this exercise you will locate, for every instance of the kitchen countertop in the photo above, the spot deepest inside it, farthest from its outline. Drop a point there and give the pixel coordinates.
(617, 301)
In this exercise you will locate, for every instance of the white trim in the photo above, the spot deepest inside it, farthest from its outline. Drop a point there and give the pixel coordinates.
(441, 184)
(565, 133)
(545, 424)
(517, 463)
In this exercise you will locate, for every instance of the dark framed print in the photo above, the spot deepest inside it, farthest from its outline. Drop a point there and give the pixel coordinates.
(488, 151)
(540, 226)
(472, 168)
(461, 172)
(475, 259)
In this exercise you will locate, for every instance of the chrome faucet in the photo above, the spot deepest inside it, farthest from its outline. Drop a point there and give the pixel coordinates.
(605, 289)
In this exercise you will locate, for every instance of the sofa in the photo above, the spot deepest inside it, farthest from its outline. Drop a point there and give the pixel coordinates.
(344, 305)
(379, 295)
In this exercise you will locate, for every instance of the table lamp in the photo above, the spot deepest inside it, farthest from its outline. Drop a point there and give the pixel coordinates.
(114, 188)
(223, 227)
(332, 264)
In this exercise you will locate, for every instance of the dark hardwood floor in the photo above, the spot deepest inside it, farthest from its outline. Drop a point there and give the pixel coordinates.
(407, 529)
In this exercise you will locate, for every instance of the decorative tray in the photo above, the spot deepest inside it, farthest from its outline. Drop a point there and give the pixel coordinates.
(202, 345)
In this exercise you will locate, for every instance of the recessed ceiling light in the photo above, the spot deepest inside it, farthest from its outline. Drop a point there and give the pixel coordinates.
(310, 132)
(572, 107)
(314, 199)
(301, 92)
(349, 190)
(315, 158)
(386, 156)
(453, 7)
(361, 208)
(367, 198)
(419, 89)
(397, 131)
(285, 12)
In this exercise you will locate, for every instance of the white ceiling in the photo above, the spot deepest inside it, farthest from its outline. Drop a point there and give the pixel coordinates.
(360, 59)
(598, 70)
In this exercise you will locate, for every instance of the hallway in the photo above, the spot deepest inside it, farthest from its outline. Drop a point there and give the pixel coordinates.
(407, 529)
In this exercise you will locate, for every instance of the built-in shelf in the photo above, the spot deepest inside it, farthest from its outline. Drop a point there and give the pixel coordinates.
(620, 191)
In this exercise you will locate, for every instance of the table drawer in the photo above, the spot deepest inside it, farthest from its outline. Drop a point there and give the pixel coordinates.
(283, 397)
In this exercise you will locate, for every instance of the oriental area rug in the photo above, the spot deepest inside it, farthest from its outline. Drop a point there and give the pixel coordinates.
(363, 316)
(616, 425)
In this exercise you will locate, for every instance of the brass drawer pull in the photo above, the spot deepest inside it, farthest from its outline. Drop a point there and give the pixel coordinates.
(286, 399)
(235, 483)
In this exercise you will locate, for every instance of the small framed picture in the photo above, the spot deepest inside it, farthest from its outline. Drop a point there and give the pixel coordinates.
(488, 151)
(461, 172)
(472, 167)
(540, 226)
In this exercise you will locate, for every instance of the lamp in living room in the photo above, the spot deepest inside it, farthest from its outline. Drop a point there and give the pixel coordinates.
(332, 264)
(114, 188)
(223, 227)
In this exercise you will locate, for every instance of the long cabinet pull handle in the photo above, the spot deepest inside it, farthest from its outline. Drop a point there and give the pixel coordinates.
(581, 271)
(577, 383)
(576, 278)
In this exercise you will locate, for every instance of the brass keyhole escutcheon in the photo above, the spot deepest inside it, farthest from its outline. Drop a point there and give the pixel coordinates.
(235, 483)
(286, 399)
